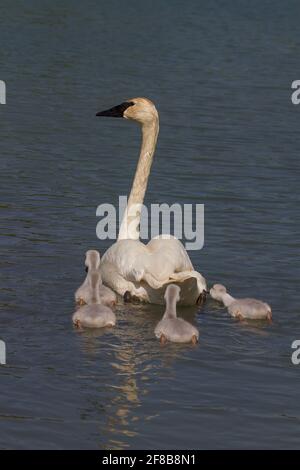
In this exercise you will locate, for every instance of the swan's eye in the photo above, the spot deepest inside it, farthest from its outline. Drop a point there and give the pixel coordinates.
(123, 106)
(86, 269)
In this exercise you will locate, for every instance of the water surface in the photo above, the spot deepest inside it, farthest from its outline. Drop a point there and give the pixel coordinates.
(220, 74)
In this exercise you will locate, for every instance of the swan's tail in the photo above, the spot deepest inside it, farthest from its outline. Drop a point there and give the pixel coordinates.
(149, 289)
(191, 284)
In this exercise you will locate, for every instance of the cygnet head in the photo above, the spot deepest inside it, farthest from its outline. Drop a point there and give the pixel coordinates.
(218, 291)
(92, 260)
(172, 293)
(141, 110)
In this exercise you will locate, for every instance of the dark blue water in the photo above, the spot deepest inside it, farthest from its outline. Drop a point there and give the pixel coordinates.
(220, 74)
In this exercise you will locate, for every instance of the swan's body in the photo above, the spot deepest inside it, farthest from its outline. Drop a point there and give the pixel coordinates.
(251, 309)
(83, 295)
(129, 266)
(171, 328)
(94, 315)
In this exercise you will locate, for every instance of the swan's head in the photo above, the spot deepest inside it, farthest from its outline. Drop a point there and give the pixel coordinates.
(172, 292)
(92, 260)
(218, 291)
(141, 110)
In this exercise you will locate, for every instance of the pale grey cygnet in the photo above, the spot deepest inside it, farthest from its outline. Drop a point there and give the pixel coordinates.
(94, 315)
(83, 293)
(171, 328)
(251, 309)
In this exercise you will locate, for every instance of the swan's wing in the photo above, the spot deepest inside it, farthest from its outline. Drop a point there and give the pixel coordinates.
(182, 276)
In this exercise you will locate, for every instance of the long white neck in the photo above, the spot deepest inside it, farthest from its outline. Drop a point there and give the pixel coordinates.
(130, 226)
(227, 299)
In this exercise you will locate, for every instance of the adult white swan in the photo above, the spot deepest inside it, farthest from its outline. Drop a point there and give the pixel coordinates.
(131, 268)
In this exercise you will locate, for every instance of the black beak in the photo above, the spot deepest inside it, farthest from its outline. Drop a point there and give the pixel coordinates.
(86, 269)
(116, 111)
